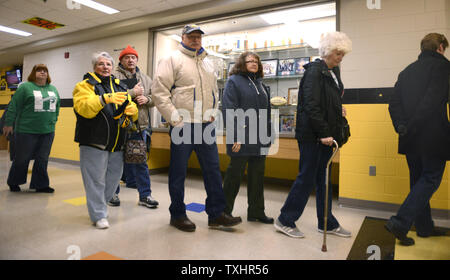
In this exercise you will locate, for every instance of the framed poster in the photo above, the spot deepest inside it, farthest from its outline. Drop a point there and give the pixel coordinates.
(286, 67)
(270, 67)
(299, 62)
(287, 123)
(292, 96)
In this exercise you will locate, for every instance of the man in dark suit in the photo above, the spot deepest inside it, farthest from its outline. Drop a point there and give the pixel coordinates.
(418, 109)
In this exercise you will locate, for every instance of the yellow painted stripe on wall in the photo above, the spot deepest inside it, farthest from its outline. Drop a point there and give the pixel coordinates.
(374, 143)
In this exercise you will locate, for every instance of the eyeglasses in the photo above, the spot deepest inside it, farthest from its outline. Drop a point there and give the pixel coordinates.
(194, 37)
(252, 61)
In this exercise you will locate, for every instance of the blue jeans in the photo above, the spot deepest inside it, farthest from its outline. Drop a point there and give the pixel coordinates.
(425, 176)
(30, 146)
(137, 174)
(312, 171)
(208, 158)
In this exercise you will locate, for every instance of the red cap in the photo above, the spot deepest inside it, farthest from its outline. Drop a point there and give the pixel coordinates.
(128, 50)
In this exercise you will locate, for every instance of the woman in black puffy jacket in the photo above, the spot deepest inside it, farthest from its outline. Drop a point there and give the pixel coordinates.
(319, 119)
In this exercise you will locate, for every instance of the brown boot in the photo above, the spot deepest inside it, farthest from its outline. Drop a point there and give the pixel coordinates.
(224, 220)
(183, 224)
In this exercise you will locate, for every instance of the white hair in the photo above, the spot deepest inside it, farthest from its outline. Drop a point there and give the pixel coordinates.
(334, 41)
(96, 56)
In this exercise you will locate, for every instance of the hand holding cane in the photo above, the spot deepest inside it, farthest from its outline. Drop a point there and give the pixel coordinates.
(324, 245)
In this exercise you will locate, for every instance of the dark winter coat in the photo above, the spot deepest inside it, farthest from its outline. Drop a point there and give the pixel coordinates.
(319, 110)
(246, 91)
(418, 107)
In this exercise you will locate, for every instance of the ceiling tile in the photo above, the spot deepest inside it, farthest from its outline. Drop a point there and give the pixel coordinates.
(177, 4)
(13, 15)
(61, 17)
(122, 5)
(8, 37)
(128, 14)
(50, 4)
(157, 7)
(33, 7)
(12, 12)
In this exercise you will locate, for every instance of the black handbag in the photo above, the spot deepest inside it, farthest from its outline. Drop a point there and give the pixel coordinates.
(344, 133)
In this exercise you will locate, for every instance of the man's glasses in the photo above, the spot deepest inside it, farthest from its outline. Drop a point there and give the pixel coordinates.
(194, 37)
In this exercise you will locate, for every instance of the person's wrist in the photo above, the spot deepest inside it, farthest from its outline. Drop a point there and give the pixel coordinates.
(179, 121)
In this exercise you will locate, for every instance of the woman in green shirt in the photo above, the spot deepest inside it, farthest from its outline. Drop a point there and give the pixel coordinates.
(33, 112)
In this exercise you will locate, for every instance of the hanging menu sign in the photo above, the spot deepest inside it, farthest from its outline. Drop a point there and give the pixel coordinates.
(43, 23)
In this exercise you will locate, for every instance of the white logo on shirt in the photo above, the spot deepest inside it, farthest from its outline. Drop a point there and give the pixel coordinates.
(39, 101)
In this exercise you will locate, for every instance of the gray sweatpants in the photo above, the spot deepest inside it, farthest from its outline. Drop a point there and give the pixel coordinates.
(101, 172)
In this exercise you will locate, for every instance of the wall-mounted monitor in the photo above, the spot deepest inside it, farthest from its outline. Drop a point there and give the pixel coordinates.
(13, 78)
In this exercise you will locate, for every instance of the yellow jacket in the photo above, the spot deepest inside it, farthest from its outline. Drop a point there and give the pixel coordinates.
(99, 124)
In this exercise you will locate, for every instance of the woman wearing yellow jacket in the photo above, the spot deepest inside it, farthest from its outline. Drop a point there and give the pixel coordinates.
(104, 110)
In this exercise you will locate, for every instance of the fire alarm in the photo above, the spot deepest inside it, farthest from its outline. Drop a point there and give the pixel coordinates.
(66, 55)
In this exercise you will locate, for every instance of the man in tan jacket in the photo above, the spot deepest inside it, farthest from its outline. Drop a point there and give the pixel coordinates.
(185, 92)
(139, 84)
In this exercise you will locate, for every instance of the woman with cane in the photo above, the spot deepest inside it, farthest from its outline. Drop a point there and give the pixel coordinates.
(320, 117)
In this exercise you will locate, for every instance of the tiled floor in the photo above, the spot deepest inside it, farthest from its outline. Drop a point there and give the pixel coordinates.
(57, 226)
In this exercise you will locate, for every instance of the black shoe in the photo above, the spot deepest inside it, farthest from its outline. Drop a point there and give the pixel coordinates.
(434, 232)
(225, 220)
(183, 224)
(264, 219)
(45, 190)
(14, 188)
(131, 187)
(115, 201)
(149, 202)
(404, 240)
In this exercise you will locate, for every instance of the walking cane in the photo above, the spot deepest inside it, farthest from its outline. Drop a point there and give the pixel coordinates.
(324, 245)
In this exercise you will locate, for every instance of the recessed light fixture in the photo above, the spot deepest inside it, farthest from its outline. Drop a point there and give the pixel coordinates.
(14, 31)
(97, 6)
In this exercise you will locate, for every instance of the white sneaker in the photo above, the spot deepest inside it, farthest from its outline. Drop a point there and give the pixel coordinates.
(102, 224)
(289, 231)
(339, 231)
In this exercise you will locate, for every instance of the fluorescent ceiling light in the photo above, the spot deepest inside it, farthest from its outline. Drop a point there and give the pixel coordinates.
(14, 31)
(97, 6)
(303, 13)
